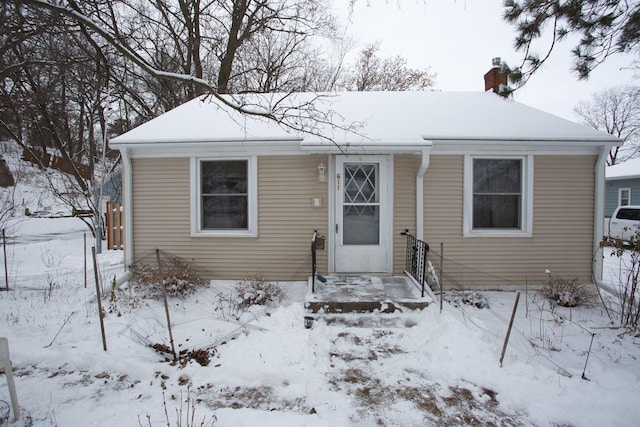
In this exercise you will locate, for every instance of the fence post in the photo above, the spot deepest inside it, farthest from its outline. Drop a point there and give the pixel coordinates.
(506, 338)
(114, 226)
(5, 363)
(85, 260)
(98, 296)
(166, 306)
(6, 271)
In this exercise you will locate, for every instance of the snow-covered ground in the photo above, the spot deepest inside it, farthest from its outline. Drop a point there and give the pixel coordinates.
(418, 368)
(409, 369)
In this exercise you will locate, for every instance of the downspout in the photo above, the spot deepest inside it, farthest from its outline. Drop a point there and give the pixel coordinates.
(424, 165)
(598, 214)
(127, 190)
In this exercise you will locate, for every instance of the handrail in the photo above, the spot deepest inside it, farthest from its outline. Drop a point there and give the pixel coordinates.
(314, 265)
(416, 259)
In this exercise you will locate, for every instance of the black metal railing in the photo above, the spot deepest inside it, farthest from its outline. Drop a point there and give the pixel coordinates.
(317, 242)
(416, 260)
(314, 264)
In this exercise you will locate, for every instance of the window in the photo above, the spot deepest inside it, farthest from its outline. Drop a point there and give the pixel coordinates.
(498, 196)
(632, 214)
(624, 196)
(225, 202)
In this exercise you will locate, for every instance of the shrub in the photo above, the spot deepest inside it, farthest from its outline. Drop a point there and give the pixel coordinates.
(179, 278)
(628, 286)
(475, 299)
(252, 291)
(185, 413)
(567, 292)
(256, 291)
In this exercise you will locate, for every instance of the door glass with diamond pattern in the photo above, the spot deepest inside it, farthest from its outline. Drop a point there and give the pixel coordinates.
(361, 204)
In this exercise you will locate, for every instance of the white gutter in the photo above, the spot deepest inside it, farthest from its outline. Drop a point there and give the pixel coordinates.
(385, 146)
(424, 165)
(598, 214)
(127, 189)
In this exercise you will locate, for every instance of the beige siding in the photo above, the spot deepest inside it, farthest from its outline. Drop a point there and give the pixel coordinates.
(563, 189)
(286, 219)
(404, 205)
(562, 226)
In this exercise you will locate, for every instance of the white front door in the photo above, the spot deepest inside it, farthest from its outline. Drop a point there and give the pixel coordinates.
(363, 215)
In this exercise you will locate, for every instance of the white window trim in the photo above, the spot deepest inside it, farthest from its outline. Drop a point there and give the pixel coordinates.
(196, 198)
(620, 190)
(526, 229)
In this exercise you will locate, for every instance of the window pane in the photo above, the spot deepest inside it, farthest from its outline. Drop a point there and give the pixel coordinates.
(224, 177)
(625, 196)
(628, 213)
(360, 183)
(497, 194)
(496, 211)
(224, 212)
(496, 175)
(224, 187)
(361, 225)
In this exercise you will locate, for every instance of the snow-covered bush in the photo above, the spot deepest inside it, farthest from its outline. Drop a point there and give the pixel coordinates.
(256, 291)
(567, 292)
(178, 276)
(628, 252)
(475, 299)
(252, 291)
(185, 413)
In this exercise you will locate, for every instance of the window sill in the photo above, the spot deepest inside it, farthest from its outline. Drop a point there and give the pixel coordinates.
(497, 233)
(221, 233)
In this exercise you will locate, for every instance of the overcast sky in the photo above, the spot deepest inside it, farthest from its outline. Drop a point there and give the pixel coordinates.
(457, 39)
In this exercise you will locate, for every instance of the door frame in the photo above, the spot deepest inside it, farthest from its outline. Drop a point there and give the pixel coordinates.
(386, 214)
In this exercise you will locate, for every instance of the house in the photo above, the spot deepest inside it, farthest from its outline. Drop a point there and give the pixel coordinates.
(507, 191)
(111, 187)
(622, 185)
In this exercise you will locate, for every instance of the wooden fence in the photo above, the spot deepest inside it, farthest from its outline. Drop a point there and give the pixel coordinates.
(40, 158)
(115, 226)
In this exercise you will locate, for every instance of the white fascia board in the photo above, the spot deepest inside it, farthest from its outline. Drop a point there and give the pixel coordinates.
(385, 146)
(209, 148)
(123, 140)
(605, 139)
(621, 178)
(542, 147)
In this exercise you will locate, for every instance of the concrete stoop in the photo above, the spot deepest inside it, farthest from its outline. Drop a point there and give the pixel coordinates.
(365, 294)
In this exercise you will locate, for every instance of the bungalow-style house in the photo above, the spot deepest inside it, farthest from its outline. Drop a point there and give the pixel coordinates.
(509, 191)
(623, 185)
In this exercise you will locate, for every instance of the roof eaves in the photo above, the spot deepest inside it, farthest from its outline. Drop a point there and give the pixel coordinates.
(383, 145)
(622, 177)
(610, 141)
(134, 142)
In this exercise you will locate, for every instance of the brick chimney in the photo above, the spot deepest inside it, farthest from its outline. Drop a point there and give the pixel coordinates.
(494, 78)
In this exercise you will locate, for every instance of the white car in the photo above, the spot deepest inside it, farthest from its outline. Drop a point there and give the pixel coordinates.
(625, 223)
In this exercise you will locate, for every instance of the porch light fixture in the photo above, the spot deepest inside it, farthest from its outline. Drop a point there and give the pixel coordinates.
(322, 172)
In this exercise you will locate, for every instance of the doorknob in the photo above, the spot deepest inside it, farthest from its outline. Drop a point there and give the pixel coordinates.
(336, 228)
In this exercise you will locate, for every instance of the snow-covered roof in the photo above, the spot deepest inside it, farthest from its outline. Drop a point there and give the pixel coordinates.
(355, 117)
(626, 170)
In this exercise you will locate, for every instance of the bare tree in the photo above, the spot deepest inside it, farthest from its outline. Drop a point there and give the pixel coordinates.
(617, 112)
(54, 91)
(288, 62)
(65, 62)
(237, 21)
(371, 72)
